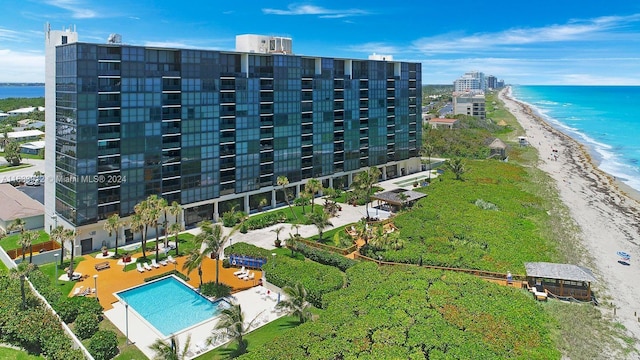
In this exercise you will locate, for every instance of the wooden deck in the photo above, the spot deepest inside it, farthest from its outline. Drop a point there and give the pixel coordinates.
(114, 279)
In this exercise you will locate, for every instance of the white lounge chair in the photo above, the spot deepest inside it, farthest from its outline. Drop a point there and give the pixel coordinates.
(163, 262)
(154, 263)
(245, 275)
(251, 276)
(76, 292)
(239, 272)
(147, 267)
(139, 267)
(171, 259)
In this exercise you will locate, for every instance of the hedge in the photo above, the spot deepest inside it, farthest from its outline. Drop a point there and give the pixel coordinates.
(324, 257)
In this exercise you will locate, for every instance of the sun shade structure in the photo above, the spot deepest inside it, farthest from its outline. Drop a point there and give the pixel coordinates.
(395, 198)
(563, 280)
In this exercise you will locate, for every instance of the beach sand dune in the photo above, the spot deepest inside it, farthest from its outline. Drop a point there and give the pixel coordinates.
(607, 212)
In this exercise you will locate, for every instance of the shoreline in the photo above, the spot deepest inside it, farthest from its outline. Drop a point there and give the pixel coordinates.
(606, 211)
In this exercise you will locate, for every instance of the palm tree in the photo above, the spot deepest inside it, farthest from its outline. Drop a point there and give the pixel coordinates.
(175, 209)
(17, 224)
(69, 235)
(278, 230)
(194, 261)
(313, 187)
(232, 320)
(113, 224)
(363, 184)
(56, 235)
(296, 302)
(140, 220)
(26, 241)
(297, 227)
(321, 221)
(291, 242)
(427, 149)
(363, 230)
(211, 237)
(175, 229)
(457, 167)
(136, 224)
(284, 181)
(171, 350)
(383, 240)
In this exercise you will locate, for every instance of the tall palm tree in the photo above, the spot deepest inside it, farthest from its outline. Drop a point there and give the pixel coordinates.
(27, 239)
(232, 320)
(171, 350)
(284, 181)
(156, 208)
(194, 261)
(363, 184)
(211, 237)
(136, 224)
(176, 210)
(427, 149)
(291, 243)
(313, 187)
(175, 229)
(141, 222)
(56, 235)
(296, 302)
(113, 224)
(321, 222)
(165, 220)
(69, 235)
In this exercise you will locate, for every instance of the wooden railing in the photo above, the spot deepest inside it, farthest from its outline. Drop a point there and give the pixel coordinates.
(317, 245)
(45, 246)
(475, 272)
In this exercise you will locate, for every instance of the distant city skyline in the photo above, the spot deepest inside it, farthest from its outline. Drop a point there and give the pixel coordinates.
(569, 42)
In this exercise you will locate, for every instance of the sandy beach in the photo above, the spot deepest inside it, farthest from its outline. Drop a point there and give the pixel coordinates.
(607, 212)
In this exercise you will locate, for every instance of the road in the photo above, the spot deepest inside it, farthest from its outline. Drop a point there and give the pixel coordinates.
(23, 173)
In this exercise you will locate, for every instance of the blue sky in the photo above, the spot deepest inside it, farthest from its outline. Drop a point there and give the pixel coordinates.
(541, 42)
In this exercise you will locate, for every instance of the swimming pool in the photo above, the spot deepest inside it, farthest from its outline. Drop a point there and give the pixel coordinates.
(170, 305)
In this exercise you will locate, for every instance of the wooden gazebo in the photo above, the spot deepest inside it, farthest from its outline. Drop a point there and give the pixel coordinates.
(398, 198)
(562, 280)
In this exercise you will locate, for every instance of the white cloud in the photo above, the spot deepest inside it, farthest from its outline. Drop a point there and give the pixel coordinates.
(9, 35)
(78, 8)
(575, 30)
(295, 9)
(21, 66)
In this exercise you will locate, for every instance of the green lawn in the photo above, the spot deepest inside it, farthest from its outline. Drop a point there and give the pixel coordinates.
(50, 270)
(12, 354)
(298, 218)
(254, 339)
(11, 242)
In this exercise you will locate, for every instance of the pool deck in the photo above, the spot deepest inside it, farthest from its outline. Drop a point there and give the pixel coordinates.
(113, 279)
(255, 305)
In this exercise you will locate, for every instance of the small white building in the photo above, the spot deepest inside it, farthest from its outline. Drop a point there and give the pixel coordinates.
(25, 135)
(22, 111)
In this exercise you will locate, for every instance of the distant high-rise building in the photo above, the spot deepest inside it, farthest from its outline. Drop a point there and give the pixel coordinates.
(471, 81)
(492, 82)
(213, 130)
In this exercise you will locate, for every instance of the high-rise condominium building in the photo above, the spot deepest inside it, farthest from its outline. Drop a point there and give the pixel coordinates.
(213, 130)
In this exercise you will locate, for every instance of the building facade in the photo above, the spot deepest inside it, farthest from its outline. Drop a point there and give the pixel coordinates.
(469, 104)
(213, 130)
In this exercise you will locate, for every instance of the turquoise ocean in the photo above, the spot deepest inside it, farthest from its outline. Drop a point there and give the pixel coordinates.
(606, 119)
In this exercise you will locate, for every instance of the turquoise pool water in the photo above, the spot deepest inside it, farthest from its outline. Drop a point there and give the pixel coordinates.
(170, 305)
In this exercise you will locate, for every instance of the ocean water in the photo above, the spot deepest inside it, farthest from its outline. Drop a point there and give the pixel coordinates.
(604, 118)
(21, 92)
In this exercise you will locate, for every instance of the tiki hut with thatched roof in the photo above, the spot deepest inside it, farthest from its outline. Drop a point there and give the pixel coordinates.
(498, 149)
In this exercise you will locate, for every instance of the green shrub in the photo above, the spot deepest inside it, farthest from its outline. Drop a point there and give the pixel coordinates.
(44, 286)
(86, 325)
(216, 290)
(103, 345)
(57, 346)
(324, 257)
(69, 308)
(226, 264)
